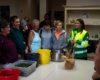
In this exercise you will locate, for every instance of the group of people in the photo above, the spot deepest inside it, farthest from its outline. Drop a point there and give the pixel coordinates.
(18, 37)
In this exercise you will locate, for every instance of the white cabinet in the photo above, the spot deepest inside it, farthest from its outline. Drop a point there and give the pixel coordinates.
(90, 15)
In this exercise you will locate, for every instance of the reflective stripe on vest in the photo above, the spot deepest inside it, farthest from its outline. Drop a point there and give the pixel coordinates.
(80, 52)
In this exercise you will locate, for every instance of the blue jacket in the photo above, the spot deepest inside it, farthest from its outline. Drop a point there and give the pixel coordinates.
(45, 38)
(62, 41)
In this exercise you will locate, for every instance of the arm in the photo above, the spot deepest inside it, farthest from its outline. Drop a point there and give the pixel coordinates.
(39, 31)
(70, 37)
(30, 37)
(26, 50)
(19, 44)
(72, 34)
(52, 40)
(66, 41)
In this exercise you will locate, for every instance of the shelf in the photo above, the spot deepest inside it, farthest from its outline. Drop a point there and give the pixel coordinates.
(72, 24)
(92, 21)
(86, 7)
(94, 39)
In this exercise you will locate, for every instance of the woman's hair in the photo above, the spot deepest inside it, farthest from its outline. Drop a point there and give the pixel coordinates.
(35, 21)
(47, 14)
(3, 24)
(12, 19)
(58, 21)
(46, 22)
(23, 23)
(82, 23)
(26, 18)
(54, 20)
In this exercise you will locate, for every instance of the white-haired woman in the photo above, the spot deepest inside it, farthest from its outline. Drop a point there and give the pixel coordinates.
(34, 41)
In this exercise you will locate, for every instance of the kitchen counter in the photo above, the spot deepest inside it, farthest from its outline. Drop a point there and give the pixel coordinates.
(83, 70)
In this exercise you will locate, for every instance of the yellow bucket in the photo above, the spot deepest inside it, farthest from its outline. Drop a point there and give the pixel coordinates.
(44, 56)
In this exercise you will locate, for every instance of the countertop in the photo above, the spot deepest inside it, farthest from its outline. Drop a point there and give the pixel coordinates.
(83, 70)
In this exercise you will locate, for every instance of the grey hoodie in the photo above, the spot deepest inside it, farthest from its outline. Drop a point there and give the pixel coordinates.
(62, 41)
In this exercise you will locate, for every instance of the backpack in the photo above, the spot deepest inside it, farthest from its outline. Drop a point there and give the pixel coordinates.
(42, 30)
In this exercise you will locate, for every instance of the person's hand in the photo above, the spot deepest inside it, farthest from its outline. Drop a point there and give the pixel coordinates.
(26, 51)
(94, 76)
(62, 47)
(72, 41)
(7, 63)
(52, 46)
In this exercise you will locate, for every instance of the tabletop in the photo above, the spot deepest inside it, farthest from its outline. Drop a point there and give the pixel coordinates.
(83, 70)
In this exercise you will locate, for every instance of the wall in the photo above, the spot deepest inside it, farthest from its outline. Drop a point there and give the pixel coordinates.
(50, 6)
(82, 2)
(23, 8)
(29, 8)
(42, 9)
(55, 5)
(11, 3)
(17, 7)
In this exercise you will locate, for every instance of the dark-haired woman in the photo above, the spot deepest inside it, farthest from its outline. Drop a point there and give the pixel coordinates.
(79, 39)
(45, 33)
(17, 36)
(8, 52)
(54, 24)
